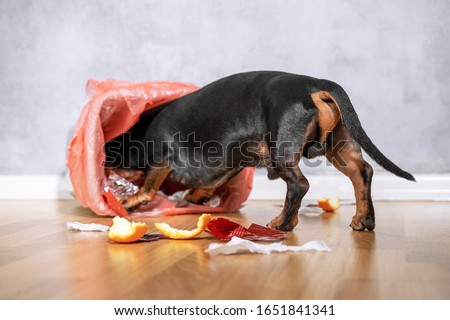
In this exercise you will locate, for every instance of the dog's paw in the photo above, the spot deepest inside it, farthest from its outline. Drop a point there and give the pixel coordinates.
(134, 201)
(279, 224)
(369, 223)
(359, 224)
(129, 203)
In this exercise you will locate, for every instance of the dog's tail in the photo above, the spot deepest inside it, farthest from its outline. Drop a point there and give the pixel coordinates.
(352, 123)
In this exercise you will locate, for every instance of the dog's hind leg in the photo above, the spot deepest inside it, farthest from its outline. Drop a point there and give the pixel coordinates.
(285, 152)
(153, 181)
(285, 164)
(345, 154)
(297, 186)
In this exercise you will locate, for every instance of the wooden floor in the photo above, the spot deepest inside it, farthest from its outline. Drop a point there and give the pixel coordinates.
(407, 257)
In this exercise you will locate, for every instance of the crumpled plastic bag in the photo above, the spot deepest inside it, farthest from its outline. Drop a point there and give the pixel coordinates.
(113, 107)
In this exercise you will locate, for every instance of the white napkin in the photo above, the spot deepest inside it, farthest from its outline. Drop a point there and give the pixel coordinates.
(239, 245)
(78, 226)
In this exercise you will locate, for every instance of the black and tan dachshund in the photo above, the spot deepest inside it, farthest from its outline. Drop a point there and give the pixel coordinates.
(255, 119)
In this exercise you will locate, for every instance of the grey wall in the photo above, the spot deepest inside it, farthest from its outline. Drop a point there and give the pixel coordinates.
(392, 57)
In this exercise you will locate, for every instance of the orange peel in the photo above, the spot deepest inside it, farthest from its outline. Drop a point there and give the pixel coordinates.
(174, 233)
(329, 204)
(124, 231)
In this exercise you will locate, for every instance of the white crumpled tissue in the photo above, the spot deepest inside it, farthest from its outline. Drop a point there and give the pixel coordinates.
(78, 226)
(238, 245)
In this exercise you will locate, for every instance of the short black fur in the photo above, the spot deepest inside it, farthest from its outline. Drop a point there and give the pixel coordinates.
(253, 119)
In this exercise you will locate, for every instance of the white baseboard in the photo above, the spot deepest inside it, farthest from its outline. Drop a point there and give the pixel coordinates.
(35, 187)
(384, 187)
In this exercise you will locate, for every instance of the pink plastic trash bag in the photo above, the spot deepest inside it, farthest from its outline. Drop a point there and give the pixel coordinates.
(113, 107)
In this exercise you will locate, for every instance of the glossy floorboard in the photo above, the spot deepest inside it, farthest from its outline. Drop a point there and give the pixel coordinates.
(406, 257)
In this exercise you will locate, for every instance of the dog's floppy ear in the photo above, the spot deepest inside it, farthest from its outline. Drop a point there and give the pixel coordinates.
(329, 113)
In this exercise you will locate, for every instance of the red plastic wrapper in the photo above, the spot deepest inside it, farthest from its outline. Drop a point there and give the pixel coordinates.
(114, 204)
(113, 107)
(224, 229)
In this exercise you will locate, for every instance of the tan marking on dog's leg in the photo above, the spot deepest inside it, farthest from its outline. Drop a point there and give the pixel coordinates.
(200, 194)
(345, 154)
(297, 186)
(153, 181)
(286, 167)
(329, 113)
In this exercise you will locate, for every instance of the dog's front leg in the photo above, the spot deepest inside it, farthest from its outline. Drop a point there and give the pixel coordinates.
(153, 181)
(297, 186)
(200, 194)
